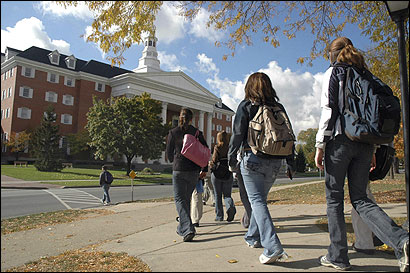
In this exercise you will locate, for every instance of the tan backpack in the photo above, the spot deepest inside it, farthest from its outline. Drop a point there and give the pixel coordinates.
(270, 132)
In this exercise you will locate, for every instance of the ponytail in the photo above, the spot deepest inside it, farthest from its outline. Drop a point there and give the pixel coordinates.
(342, 50)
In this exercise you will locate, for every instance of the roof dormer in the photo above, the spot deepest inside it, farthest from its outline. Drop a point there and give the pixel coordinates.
(54, 57)
(70, 61)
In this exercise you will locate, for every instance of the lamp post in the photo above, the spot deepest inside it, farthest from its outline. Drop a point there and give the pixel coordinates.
(399, 11)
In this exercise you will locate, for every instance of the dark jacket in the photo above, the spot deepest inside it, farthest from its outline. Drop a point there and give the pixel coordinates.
(174, 147)
(244, 114)
(219, 153)
(103, 178)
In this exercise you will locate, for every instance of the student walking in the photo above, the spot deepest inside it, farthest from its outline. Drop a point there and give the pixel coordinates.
(197, 207)
(341, 157)
(258, 172)
(222, 178)
(105, 182)
(185, 173)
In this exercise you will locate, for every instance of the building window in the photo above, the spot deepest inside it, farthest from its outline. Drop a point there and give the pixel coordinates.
(219, 128)
(213, 127)
(24, 113)
(2, 114)
(54, 57)
(9, 93)
(228, 118)
(51, 96)
(228, 129)
(68, 100)
(28, 72)
(219, 115)
(69, 81)
(5, 138)
(3, 94)
(99, 87)
(26, 92)
(70, 62)
(212, 140)
(52, 77)
(11, 72)
(66, 119)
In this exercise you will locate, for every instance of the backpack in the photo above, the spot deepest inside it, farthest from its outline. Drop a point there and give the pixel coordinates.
(384, 160)
(270, 132)
(108, 178)
(221, 170)
(371, 111)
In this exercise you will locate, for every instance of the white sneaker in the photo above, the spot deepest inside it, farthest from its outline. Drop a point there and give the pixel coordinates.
(257, 244)
(268, 260)
(107, 203)
(404, 261)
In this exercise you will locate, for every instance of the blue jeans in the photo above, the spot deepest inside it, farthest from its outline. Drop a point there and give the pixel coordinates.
(222, 187)
(258, 176)
(184, 183)
(344, 157)
(106, 188)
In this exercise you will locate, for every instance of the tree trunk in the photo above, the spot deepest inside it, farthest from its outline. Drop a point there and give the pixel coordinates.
(129, 159)
(396, 165)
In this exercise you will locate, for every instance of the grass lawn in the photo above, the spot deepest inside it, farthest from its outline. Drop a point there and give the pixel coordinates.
(85, 177)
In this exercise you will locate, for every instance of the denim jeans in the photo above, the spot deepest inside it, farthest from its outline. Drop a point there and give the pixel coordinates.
(258, 176)
(106, 188)
(184, 183)
(344, 157)
(222, 187)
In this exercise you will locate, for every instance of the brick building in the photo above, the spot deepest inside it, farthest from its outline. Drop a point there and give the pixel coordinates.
(34, 78)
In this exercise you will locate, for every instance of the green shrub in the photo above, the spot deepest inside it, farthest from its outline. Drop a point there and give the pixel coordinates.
(147, 171)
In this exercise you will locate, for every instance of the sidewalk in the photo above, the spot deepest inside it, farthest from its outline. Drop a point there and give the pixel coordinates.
(147, 231)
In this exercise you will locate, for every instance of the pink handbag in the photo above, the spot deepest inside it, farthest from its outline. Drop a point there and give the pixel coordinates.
(194, 150)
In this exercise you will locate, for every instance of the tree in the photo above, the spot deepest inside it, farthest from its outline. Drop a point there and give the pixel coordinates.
(45, 144)
(308, 137)
(79, 143)
(119, 24)
(128, 126)
(18, 142)
(300, 160)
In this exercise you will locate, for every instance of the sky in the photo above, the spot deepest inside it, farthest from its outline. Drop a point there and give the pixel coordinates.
(186, 46)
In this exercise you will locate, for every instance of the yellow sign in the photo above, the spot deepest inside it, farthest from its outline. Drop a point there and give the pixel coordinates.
(132, 174)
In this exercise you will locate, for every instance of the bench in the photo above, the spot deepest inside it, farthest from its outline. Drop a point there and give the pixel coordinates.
(67, 165)
(20, 163)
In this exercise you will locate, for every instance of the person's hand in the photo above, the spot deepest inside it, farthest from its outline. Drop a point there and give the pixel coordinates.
(373, 164)
(319, 158)
(202, 175)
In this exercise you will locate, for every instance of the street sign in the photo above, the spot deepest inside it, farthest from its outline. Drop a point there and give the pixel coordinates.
(132, 174)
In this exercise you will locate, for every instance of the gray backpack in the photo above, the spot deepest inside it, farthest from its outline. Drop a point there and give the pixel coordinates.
(270, 132)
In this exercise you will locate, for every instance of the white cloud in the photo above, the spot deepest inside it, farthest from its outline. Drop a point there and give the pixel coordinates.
(199, 29)
(170, 62)
(31, 32)
(168, 19)
(298, 92)
(50, 7)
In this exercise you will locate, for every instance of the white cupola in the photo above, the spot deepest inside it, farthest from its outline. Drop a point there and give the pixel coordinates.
(149, 61)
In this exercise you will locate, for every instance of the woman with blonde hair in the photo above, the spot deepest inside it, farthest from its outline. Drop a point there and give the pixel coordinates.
(341, 157)
(258, 171)
(222, 178)
(185, 173)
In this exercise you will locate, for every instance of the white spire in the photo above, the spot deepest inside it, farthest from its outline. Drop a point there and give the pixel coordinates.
(149, 61)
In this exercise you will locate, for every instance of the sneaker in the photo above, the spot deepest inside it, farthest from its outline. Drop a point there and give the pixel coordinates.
(231, 214)
(263, 259)
(365, 251)
(404, 261)
(107, 203)
(257, 244)
(325, 262)
(102, 201)
(377, 241)
(189, 237)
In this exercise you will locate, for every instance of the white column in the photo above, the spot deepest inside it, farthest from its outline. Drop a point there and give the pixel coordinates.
(164, 112)
(201, 120)
(209, 129)
(164, 120)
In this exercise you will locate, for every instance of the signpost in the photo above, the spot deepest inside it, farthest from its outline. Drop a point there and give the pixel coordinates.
(132, 175)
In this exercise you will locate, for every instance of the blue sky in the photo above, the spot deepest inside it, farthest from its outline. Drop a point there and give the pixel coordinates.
(186, 46)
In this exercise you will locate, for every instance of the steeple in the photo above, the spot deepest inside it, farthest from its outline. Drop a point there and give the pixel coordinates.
(149, 61)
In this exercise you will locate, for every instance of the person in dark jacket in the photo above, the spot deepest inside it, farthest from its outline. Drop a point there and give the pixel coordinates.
(222, 184)
(106, 200)
(258, 171)
(341, 157)
(185, 173)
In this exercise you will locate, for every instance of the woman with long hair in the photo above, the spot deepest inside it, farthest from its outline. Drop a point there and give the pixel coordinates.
(258, 171)
(223, 179)
(185, 173)
(341, 157)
